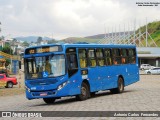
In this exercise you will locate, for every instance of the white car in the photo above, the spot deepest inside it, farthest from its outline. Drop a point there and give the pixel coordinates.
(155, 70)
(146, 66)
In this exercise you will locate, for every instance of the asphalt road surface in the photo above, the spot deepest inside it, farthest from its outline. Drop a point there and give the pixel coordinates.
(141, 96)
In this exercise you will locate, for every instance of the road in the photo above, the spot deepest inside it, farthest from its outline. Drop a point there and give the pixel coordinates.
(141, 96)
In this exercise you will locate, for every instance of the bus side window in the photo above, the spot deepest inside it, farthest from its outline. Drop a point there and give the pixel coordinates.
(132, 56)
(100, 57)
(124, 56)
(73, 62)
(91, 57)
(108, 56)
(82, 58)
(116, 56)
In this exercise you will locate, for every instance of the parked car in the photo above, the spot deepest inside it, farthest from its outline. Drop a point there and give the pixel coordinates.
(9, 81)
(155, 70)
(146, 66)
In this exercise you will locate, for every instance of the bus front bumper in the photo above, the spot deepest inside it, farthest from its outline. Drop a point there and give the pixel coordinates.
(61, 91)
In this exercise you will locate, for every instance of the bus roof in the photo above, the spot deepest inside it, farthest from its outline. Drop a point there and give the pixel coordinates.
(99, 45)
(85, 45)
(62, 47)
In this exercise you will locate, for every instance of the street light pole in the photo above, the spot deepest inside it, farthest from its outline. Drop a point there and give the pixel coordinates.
(0, 28)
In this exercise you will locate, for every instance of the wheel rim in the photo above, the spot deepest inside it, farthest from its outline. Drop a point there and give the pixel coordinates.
(121, 85)
(9, 85)
(84, 91)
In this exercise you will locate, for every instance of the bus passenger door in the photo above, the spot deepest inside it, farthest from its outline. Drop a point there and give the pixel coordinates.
(72, 68)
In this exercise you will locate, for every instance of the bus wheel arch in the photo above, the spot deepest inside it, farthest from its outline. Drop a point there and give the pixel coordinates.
(85, 91)
(120, 76)
(120, 85)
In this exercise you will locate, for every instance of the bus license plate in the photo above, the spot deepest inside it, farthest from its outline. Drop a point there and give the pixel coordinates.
(43, 94)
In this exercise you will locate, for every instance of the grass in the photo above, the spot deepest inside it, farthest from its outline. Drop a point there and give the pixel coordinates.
(154, 30)
(81, 39)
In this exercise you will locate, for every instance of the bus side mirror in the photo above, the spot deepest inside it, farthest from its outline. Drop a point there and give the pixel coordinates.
(19, 64)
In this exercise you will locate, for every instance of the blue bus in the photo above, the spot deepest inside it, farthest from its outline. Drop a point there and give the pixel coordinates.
(53, 71)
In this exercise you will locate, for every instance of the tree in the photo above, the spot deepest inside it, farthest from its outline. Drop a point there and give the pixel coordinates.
(1, 38)
(7, 49)
(14, 40)
(8, 61)
(39, 39)
(52, 41)
(25, 44)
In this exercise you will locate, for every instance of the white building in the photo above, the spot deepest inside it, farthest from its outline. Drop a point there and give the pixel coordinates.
(149, 55)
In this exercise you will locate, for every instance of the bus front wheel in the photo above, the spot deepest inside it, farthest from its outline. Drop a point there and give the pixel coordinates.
(49, 100)
(84, 92)
(120, 87)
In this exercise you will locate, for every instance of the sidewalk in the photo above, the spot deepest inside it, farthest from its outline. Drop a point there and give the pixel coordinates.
(141, 72)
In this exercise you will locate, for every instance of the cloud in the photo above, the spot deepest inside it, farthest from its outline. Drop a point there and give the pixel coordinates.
(64, 18)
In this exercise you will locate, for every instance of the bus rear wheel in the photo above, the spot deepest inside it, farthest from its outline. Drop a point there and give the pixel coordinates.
(120, 87)
(49, 100)
(85, 94)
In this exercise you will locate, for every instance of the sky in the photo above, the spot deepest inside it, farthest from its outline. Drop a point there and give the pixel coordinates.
(60, 19)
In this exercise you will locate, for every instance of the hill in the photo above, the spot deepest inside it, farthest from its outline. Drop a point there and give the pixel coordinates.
(32, 38)
(79, 39)
(102, 36)
(92, 39)
(154, 31)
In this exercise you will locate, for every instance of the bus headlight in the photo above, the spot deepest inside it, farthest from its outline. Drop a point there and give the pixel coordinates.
(28, 89)
(62, 85)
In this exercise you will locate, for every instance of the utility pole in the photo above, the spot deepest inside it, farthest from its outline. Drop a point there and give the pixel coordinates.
(134, 31)
(128, 33)
(146, 34)
(124, 35)
(0, 28)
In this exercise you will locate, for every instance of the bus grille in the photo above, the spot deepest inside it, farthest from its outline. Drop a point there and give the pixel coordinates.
(48, 93)
(42, 82)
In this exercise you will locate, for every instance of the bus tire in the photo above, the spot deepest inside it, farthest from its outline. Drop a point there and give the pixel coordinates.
(49, 100)
(85, 94)
(93, 94)
(120, 87)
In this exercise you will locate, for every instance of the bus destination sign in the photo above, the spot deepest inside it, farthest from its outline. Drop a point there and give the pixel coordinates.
(44, 49)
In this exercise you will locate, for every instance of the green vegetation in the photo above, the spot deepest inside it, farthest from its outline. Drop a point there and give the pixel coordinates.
(7, 49)
(80, 39)
(154, 31)
(52, 41)
(26, 44)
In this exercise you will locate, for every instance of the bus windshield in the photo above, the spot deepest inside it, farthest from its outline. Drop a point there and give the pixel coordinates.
(46, 66)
